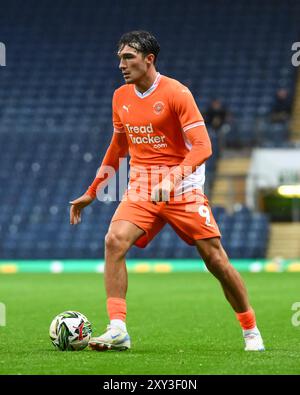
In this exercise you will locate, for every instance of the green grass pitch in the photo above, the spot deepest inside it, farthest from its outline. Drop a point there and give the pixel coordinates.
(179, 323)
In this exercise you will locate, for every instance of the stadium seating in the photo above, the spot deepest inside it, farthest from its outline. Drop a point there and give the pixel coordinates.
(55, 113)
(35, 215)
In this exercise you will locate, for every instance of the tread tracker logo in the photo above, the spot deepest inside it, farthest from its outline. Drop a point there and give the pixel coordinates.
(2, 54)
(144, 135)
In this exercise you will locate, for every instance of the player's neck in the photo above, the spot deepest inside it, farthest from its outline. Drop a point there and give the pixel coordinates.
(146, 81)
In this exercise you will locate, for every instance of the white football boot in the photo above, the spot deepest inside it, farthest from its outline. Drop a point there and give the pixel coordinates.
(113, 339)
(253, 340)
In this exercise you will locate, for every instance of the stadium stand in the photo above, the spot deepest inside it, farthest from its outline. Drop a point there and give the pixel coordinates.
(55, 113)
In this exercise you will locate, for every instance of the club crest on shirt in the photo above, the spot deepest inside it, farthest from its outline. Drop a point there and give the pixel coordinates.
(158, 107)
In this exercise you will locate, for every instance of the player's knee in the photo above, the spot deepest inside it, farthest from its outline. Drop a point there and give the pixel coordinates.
(216, 262)
(116, 243)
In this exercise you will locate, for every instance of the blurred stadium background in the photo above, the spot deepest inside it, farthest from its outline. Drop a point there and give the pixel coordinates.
(55, 124)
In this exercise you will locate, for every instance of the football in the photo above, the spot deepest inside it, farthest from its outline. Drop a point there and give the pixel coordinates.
(70, 331)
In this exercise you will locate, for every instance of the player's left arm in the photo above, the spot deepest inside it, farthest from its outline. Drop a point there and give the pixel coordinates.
(201, 150)
(196, 134)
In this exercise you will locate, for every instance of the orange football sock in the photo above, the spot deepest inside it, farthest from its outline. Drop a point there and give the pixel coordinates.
(247, 319)
(116, 308)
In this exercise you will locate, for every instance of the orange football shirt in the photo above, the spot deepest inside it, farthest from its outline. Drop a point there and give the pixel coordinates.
(155, 125)
(155, 122)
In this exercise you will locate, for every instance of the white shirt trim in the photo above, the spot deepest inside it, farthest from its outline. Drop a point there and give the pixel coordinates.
(119, 130)
(150, 90)
(193, 125)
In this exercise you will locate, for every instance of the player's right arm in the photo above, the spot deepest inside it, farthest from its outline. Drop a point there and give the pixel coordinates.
(117, 149)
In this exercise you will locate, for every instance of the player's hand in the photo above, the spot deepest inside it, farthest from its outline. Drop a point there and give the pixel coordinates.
(162, 191)
(76, 206)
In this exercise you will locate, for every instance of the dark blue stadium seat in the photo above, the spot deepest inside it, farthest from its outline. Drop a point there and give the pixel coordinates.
(55, 113)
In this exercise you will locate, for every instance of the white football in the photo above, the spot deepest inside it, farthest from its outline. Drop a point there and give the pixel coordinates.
(70, 331)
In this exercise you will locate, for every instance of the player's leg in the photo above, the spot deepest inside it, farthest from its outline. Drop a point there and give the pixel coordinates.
(120, 237)
(193, 221)
(133, 223)
(217, 263)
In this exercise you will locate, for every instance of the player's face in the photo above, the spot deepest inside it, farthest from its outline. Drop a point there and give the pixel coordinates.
(132, 64)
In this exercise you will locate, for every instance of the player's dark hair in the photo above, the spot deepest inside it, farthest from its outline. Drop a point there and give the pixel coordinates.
(142, 41)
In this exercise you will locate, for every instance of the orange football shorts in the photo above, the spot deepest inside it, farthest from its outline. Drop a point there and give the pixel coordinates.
(189, 215)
